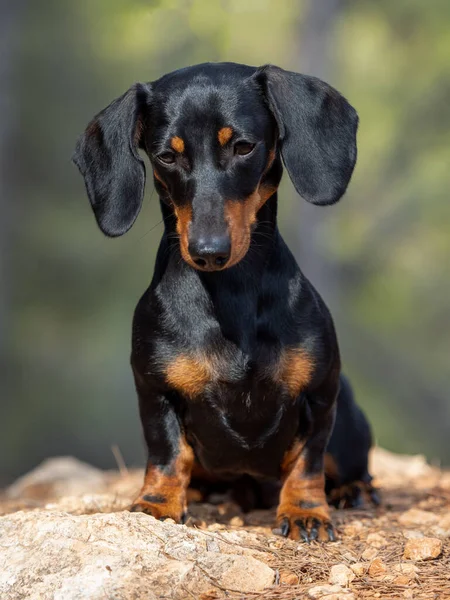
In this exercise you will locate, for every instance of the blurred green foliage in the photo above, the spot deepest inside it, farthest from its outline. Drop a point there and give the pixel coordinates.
(72, 292)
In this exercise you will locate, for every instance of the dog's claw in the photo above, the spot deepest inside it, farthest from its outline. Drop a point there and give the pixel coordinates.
(300, 523)
(306, 529)
(285, 527)
(330, 531)
(374, 497)
(314, 533)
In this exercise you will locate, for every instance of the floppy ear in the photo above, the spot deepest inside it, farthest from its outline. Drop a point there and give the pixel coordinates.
(107, 156)
(317, 129)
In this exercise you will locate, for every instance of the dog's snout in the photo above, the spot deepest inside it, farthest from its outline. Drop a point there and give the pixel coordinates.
(212, 253)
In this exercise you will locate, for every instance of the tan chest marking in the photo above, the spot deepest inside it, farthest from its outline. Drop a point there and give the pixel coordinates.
(294, 370)
(188, 375)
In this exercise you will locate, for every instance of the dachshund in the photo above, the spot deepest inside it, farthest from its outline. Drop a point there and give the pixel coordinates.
(234, 353)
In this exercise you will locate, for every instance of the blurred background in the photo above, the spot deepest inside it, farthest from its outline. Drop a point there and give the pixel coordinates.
(380, 258)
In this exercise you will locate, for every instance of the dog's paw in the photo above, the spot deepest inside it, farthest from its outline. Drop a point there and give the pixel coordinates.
(353, 495)
(159, 507)
(305, 523)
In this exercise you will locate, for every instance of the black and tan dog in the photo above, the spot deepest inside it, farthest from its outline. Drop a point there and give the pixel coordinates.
(234, 354)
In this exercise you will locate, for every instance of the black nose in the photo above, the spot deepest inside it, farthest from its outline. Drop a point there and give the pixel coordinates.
(212, 253)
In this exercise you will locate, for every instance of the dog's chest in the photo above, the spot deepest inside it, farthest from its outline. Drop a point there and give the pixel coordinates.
(235, 406)
(227, 370)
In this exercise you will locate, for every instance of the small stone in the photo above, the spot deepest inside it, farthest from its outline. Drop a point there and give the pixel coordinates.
(348, 556)
(412, 534)
(288, 578)
(359, 569)
(341, 575)
(369, 553)
(377, 568)
(376, 540)
(209, 595)
(439, 532)
(401, 580)
(236, 522)
(330, 592)
(408, 569)
(422, 549)
(244, 574)
(415, 516)
(354, 528)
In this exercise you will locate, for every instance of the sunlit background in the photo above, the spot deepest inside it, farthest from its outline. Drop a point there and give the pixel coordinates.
(380, 258)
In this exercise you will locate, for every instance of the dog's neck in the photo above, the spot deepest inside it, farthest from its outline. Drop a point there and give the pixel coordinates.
(235, 292)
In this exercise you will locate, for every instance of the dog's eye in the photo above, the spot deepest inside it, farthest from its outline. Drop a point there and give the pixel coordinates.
(243, 148)
(166, 158)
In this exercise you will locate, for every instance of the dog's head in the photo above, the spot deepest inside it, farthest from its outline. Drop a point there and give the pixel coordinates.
(215, 135)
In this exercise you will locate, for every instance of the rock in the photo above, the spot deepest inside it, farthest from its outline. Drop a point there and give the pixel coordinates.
(242, 574)
(288, 578)
(415, 516)
(376, 540)
(354, 528)
(216, 527)
(401, 580)
(89, 503)
(422, 549)
(359, 569)
(390, 467)
(406, 569)
(49, 555)
(444, 523)
(236, 522)
(412, 534)
(330, 592)
(348, 556)
(404, 573)
(369, 553)
(341, 575)
(377, 568)
(56, 477)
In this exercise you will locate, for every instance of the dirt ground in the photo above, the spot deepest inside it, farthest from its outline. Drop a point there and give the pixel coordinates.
(383, 552)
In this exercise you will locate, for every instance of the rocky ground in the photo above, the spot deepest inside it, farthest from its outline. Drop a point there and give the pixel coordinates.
(65, 535)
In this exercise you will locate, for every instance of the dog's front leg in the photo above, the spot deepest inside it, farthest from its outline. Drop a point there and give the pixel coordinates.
(303, 512)
(170, 460)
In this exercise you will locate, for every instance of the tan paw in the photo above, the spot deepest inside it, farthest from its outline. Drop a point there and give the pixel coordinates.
(160, 507)
(306, 522)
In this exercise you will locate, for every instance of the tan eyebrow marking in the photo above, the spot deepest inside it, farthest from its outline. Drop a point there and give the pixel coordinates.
(177, 144)
(224, 135)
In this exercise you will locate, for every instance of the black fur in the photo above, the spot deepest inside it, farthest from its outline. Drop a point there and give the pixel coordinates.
(239, 323)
